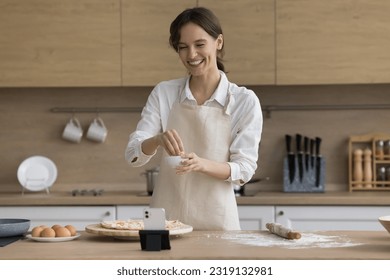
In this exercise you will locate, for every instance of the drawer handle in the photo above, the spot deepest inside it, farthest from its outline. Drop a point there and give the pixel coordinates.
(281, 213)
(107, 214)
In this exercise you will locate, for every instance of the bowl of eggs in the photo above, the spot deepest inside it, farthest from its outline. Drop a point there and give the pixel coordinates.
(55, 233)
(385, 222)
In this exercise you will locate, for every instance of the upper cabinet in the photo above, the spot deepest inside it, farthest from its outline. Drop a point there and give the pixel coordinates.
(60, 43)
(332, 42)
(249, 32)
(146, 54)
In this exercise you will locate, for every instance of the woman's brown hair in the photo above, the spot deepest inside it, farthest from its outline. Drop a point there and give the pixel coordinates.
(205, 19)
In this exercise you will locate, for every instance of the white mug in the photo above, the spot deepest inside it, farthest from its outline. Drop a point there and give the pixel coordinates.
(73, 131)
(97, 131)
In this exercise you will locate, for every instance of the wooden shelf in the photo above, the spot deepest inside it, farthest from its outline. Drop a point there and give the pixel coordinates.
(363, 142)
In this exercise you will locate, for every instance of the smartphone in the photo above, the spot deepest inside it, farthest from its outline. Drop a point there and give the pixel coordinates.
(154, 218)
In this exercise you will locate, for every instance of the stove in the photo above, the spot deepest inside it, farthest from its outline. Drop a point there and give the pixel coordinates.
(87, 192)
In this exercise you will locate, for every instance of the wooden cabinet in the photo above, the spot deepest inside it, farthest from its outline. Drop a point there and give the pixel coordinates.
(78, 216)
(332, 42)
(60, 43)
(255, 217)
(316, 218)
(249, 32)
(147, 57)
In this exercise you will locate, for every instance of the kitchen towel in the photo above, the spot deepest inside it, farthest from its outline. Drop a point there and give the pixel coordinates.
(4, 241)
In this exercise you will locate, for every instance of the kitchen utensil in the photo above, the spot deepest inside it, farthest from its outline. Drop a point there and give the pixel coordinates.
(131, 234)
(73, 131)
(13, 227)
(385, 222)
(318, 161)
(37, 173)
(312, 157)
(298, 139)
(282, 231)
(151, 179)
(290, 158)
(97, 131)
(307, 154)
(240, 190)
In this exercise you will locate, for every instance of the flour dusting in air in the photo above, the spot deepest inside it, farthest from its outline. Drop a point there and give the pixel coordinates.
(308, 240)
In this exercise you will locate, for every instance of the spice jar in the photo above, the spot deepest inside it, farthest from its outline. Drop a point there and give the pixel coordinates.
(379, 149)
(381, 176)
(386, 148)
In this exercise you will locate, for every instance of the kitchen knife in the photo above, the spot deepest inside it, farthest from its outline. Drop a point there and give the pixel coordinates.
(312, 157)
(290, 159)
(318, 161)
(298, 139)
(307, 155)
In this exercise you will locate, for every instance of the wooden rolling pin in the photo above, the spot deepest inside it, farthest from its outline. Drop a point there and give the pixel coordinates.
(282, 231)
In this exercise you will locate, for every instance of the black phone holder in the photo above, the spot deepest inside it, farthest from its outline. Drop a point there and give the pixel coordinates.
(154, 240)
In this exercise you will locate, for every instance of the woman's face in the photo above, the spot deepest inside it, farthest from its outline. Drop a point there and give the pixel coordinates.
(198, 50)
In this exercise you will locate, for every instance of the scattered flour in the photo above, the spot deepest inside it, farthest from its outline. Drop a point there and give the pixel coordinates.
(308, 240)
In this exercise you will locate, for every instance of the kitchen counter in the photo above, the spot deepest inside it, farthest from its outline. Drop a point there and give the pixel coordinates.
(351, 245)
(138, 198)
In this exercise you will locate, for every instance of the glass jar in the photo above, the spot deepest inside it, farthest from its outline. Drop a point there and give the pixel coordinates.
(379, 149)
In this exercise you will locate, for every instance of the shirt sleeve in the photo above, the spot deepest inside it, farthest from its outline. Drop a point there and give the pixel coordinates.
(245, 143)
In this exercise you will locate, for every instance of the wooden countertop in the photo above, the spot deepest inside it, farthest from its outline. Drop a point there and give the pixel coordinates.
(138, 198)
(351, 245)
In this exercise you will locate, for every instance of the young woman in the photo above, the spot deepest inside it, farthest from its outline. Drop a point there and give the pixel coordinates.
(213, 124)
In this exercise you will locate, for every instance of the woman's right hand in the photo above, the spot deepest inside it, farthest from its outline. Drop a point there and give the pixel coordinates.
(171, 142)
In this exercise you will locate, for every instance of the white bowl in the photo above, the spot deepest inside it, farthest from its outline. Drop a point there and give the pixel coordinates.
(173, 161)
(385, 222)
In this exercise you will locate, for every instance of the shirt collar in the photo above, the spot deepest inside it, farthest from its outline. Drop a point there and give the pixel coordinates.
(219, 95)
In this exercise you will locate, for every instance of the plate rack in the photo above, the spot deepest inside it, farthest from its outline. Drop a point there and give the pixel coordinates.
(369, 142)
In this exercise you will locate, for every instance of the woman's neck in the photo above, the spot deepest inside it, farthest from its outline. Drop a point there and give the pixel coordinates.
(203, 87)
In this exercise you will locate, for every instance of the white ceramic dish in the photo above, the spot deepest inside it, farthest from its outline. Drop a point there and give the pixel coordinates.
(37, 173)
(131, 234)
(173, 161)
(53, 239)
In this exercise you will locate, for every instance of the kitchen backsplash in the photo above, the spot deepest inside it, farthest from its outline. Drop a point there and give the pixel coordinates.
(28, 128)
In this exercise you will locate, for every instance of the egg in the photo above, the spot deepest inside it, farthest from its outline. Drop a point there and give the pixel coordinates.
(48, 232)
(72, 229)
(56, 226)
(62, 232)
(36, 231)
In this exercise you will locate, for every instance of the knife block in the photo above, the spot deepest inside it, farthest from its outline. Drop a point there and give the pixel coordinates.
(308, 183)
(154, 240)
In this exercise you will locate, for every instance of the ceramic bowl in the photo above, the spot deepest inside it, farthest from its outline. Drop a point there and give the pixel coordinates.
(173, 161)
(13, 227)
(385, 221)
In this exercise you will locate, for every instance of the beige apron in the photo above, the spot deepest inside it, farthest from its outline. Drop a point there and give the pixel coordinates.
(196, 199)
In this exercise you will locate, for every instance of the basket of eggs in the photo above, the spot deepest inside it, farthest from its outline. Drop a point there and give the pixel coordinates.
(55, 233)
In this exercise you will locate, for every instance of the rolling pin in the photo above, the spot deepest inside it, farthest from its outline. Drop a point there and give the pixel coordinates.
(282, 231)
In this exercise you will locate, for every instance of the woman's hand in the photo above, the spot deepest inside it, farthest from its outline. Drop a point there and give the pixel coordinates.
(171, 142)
(192, 163)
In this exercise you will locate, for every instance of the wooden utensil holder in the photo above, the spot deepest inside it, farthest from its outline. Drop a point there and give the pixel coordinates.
(364, 142)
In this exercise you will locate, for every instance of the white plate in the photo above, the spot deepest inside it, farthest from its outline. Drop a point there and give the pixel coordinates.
(37, 173)
(53, 239)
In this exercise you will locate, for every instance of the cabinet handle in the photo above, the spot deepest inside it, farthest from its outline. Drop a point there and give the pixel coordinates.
(281, 213)
(107, 214)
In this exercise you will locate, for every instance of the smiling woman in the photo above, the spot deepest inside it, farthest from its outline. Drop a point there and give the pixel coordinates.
(212, 124)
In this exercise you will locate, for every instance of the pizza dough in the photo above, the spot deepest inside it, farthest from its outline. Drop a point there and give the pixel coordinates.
(137, 224)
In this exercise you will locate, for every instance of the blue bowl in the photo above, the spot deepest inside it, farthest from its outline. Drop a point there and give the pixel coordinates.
(13, 227)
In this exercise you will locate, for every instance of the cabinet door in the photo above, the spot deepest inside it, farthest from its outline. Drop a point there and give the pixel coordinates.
(332, 42)
(255, 217)
(78, 216)
(60, 43)
(147, 57)
(331, 217)
(125, 212)
(248, 27)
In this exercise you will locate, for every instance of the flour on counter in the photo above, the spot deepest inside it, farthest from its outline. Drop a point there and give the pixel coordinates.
(308, 240)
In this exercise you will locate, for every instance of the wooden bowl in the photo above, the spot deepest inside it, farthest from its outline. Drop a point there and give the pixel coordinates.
(385, 221)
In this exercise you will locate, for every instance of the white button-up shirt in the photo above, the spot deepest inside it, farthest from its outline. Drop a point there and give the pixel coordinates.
(246, 123)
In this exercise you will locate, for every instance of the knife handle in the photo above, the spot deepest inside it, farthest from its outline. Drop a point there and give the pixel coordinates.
(298, 138)
(288, 143)
(306, 144)
(312, 142)
(318, 143)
